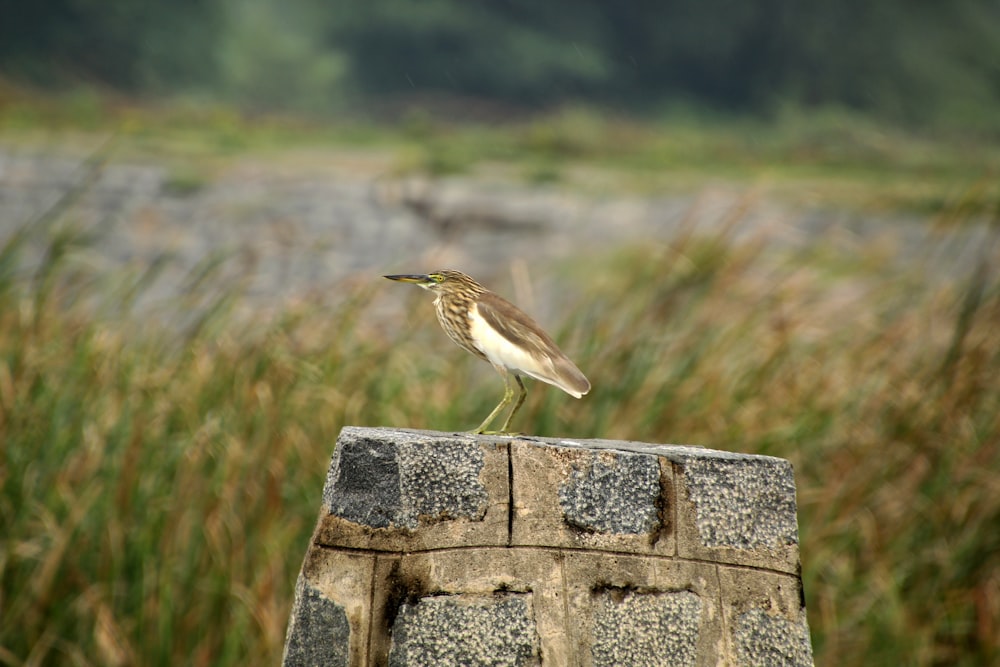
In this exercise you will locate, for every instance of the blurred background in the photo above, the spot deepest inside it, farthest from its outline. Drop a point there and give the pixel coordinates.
(767, 227)
(909, 62)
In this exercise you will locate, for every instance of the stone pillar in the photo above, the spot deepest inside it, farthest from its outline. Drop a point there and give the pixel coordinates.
(453, 549)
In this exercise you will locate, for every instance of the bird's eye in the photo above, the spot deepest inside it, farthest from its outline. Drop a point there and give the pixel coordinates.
(437, 277)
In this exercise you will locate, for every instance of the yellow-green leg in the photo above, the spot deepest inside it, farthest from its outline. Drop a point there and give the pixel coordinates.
(517, 404)
(508, 395)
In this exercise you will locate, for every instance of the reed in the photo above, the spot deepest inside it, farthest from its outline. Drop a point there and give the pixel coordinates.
(158, 487)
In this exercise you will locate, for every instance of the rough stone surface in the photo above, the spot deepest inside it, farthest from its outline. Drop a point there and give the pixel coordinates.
(440, 480)
(380, 483)
(363, 484)
(613, 492)
(582, 497)
(465, 631)
(452, 549)
(745, 505)
(599, 577)
(762, 639)
(646, 629)
(319, 633)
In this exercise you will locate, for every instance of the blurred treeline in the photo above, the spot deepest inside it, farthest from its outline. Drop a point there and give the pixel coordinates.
(909, 61)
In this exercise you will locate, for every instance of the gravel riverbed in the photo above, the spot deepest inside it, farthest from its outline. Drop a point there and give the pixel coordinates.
(286, 232)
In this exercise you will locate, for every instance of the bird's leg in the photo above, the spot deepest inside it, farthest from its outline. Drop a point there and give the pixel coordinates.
(517, 404)
(508, 395)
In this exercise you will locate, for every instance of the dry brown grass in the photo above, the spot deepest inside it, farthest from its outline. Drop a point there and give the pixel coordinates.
(158, 489)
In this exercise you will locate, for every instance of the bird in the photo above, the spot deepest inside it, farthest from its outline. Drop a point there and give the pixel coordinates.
(495, 330)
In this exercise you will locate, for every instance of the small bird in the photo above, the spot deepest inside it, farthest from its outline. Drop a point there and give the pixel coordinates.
(495, 330)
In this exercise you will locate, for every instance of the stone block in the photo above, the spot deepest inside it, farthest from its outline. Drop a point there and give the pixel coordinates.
(639, 610)
(765, 618)
(392, 490)
(590, 498)
(480, 573)
(318, 632)
(465, 631)
(332, 607)
(645, 629)
(453, 549)
(733, 508)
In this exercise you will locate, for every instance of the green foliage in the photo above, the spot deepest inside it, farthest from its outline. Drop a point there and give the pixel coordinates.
(270, 57)
(831, 157)
(513, 50)
(925, 63)
(130, 45)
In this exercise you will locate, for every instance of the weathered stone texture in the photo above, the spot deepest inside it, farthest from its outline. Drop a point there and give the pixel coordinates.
(363, 484)
(381, 484)
(613, 492)
(763, 639)
(746, 504)
(319, 633)
(465, 631)
(590, 498)
(646, 629)
(452, 549)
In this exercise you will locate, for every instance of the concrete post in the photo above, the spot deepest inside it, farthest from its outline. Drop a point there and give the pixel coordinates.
(452, 549)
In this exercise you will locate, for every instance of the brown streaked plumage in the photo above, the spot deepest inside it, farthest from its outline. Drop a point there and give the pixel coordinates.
(495, 330)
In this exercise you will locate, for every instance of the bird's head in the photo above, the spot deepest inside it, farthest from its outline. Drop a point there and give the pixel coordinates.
(439, 281)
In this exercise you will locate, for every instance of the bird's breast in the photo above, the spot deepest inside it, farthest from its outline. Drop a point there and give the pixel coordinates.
(454, 318)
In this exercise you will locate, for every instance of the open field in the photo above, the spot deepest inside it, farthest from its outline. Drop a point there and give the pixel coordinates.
(826, 158)
(159, 483)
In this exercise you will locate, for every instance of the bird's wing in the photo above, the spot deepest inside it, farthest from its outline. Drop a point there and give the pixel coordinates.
(518, 328)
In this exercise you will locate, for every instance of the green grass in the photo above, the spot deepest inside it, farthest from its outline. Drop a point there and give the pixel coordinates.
(833, 158)
(158, 488)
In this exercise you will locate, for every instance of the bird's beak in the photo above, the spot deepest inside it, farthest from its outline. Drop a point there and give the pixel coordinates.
(419, 279)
